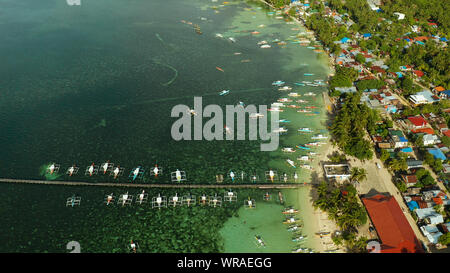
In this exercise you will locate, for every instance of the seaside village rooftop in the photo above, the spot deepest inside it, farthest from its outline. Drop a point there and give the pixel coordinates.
(412, 139)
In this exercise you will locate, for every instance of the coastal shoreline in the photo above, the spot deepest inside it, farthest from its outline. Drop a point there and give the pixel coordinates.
(321, 221)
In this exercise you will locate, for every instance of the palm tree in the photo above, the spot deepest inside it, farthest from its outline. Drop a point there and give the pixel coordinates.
(358, 174)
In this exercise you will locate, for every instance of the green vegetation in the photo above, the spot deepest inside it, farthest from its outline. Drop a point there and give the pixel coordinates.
(349, 127)
(358, 174)
(424, 178)
(343, 207)
(444, 239)
(344, 77)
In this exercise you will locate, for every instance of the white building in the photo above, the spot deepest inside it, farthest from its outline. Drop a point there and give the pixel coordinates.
(400, 16)
(430, 139)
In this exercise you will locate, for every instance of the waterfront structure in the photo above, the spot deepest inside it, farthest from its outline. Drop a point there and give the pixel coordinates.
(339, 172)
(392, 227)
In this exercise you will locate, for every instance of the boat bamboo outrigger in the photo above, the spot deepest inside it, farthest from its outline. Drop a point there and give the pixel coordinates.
(174, 200)
(117, 171)
(142, 197)
(271, 175)
(155, 171)
(91, 170)
(109, 199)
(106, 167)
(73, 201)
(53, 168)
(260, 241)
(178, 176)
(230, 196)
(125, 199)
(290, 210)
(72, 170)
(215, 201)
(159, 201)
(250, 203)
(188, 200)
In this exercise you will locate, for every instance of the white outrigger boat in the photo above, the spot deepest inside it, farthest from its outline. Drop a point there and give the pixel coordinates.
(265, 46)
(305, 130)
(293, 94)
(288, 150)
(280, 130)
(310, 94)
(278, 83)
(290, 162)
(285, 88)
(304, 111)
(256, 115)
(319, 136)
(284, 100)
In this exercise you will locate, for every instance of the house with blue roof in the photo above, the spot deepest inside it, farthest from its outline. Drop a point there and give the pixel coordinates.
(344, 40)
(445, 95)
(437, 153)
(367, 36)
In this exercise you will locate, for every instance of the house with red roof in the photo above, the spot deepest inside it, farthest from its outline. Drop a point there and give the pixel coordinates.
(416, 122)
(418, 73)
(393, 229)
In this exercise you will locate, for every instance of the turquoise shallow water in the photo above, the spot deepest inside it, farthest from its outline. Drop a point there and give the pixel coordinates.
(91, 83)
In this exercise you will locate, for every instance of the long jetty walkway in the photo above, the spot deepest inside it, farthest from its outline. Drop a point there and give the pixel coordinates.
(132, 185)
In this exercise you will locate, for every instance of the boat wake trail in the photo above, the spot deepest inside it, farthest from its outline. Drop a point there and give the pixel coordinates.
(170, 67)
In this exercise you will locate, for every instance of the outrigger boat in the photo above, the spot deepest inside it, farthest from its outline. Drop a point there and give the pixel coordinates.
(156, 170)
(302, 147)
(294, 94)
(73, 201)
(284, 100)
(280, 197)
(305, 130)
(72, 170)
(303, 111)
(291, 220)
(278, 83)
(310, 94)
(323, 233)
(133, 246)
(91, 170)
(285, 88)
(265, 46)
(224, 92)
(299, 84)
(301, 101)
(299, 250)
(290, 162)
(284, 121)
(299, 238)
(275, 109)
(289, 210)
(280, 130)
(142, 197)
(109, 199)
(293, 106)
(288, 150)
(53, 168)
(260, 241)
(319, 136)
(106, 167)
(256, 115)
(266, 197)
(308, 74)
(118, 171)
(137, 172)
(306, 166)
(294, 228)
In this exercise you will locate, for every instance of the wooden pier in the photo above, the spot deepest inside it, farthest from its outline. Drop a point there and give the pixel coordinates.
(133, 185)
